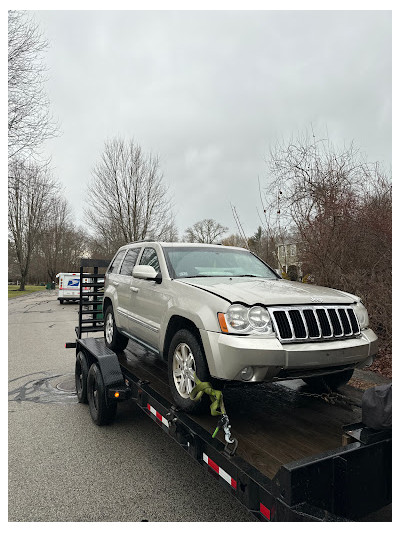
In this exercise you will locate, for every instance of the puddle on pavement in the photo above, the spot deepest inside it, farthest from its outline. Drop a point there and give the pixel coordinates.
(43, 387)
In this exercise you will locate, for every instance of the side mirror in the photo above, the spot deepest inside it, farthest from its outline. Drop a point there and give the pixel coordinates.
(146, 272)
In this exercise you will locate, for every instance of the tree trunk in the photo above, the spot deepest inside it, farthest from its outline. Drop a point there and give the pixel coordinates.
(23, 281)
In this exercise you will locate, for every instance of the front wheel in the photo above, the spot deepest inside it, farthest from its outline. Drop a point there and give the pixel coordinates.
(101, 411)
(185, 360)
(113, 338)
(330, 381)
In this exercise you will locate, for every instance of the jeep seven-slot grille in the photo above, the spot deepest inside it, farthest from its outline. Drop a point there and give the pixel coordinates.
(313, 323)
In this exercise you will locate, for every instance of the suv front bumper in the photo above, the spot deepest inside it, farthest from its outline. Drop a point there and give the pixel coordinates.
(228, 355)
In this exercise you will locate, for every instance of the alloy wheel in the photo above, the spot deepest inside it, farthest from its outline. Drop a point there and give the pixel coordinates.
(109, 328)
(183, 370)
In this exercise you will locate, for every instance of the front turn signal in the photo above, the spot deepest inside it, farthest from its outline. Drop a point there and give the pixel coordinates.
(222, 323)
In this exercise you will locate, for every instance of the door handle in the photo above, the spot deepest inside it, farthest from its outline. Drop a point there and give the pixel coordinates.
(134, 289)
(115, 283)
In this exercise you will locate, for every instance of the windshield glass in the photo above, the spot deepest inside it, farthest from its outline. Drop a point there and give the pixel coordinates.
(188, 262)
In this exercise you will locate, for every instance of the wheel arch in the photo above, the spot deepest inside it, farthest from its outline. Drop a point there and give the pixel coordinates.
(176, 323)
(106, 302)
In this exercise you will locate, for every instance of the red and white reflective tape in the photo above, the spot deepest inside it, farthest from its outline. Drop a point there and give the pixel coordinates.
(265, 511)
(220, 471)
(158, 415)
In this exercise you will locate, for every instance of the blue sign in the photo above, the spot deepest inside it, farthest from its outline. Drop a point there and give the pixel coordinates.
(73, 283)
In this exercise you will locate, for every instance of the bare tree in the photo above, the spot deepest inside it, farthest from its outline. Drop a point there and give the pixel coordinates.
(29, 201)
(29, 120)
(205, 231)
(234, 240)
(61, 245)
(128, 198)
(340, 209)
(319, 189)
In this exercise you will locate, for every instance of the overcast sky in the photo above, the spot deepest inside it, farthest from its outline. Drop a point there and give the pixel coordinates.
(209, 92)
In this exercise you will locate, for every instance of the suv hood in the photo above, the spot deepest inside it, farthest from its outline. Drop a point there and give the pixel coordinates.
(270, 292)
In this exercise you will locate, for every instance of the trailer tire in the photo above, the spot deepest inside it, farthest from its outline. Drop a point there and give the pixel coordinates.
(185, 343)
(112, 337)
(102, 411)
(81, 376)
(330, 381)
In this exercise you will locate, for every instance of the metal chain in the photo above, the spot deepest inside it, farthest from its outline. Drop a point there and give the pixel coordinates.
(332, 397)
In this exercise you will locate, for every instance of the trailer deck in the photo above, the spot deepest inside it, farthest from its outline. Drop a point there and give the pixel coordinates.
(274, 422)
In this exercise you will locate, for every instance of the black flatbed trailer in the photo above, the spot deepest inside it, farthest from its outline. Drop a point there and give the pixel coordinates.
(298, 458)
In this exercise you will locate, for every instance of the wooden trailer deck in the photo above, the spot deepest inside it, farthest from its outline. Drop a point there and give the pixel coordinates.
(274, 422)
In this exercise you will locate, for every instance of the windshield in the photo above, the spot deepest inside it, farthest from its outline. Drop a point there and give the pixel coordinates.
(196, 262)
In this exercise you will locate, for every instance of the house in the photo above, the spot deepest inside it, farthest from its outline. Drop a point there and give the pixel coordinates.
(288, 255)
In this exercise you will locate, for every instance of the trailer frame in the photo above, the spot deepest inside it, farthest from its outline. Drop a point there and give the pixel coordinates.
(342, 484)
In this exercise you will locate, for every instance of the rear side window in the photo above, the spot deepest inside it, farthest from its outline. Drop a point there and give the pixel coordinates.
(149, 257)
(129, 262)
(117, 261)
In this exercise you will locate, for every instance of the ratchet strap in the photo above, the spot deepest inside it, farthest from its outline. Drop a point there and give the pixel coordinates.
(204, 387)
(217, 408)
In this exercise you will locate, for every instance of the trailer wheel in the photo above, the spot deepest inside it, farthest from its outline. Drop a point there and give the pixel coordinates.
(186, 358)
(331, 381)
(81, 376)
(61, 301)
(101, 411)
(113, 338)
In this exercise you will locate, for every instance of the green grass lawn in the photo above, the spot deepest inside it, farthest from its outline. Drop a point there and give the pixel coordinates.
(13, 290)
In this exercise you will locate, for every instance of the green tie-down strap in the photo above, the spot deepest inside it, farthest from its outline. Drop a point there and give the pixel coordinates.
(203, 387)
(217, 408)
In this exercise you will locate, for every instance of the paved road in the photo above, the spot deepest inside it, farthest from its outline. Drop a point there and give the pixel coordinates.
(64, 468)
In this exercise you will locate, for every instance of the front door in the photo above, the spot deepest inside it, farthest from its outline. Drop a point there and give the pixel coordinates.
(148, 302)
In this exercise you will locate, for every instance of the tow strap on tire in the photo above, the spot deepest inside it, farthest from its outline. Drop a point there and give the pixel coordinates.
(217, 408)
(204, 387)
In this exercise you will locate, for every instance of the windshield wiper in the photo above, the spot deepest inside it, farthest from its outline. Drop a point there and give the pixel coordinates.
(198, 276)
(204, 276)
(245, 276)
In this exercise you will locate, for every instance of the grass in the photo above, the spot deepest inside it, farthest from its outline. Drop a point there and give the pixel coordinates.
(13, 290)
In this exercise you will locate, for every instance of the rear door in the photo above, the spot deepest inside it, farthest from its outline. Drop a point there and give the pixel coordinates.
(113, 281)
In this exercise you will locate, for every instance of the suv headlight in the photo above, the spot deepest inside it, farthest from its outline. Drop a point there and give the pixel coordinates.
(362, 315)
(241, 319)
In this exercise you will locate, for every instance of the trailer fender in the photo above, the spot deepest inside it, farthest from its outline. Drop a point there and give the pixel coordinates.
(107, 361)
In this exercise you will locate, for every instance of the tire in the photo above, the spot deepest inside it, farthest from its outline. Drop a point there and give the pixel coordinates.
(61, 301)
(81, 376)
(101, 411)
(330, 381)
(113, 338)
(185, 355)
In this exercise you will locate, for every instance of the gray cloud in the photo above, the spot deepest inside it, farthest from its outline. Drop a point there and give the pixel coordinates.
(210, 91)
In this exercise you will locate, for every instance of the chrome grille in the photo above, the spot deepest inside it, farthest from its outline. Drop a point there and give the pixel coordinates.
(313, 323)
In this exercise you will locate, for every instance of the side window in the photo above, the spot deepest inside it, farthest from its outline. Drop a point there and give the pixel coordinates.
(117, 261)
(149, 257)
(129, 262)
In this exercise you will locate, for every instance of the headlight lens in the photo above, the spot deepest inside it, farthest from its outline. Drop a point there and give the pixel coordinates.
(362, 315)
(259, 318)
(237, 317)
(241, 319)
